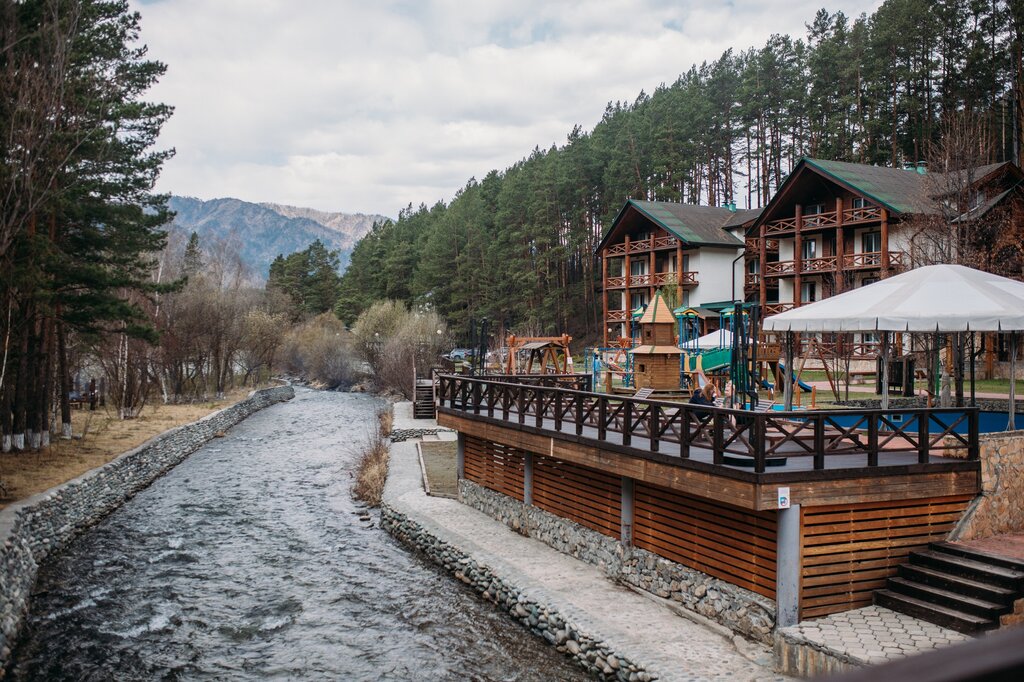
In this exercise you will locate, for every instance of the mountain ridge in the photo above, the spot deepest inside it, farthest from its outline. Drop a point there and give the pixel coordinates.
(262, 231)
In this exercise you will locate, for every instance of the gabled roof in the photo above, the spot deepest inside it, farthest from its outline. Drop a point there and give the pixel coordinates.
(658, 312)
(897, 189)
(693, 225)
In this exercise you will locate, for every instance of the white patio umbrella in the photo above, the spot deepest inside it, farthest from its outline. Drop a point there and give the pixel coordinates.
(934, 298)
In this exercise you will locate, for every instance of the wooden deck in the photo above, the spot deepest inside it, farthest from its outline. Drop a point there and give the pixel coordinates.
(891, 455)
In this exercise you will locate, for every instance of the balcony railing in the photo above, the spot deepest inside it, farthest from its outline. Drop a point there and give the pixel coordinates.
(851, 216)
(856, 261)
(643, 245)
(618, 315)
(658, 279)
(829, 439)
(873, 259)
(776, 308)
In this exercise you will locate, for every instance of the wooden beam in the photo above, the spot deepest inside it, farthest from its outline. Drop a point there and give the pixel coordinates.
(604, 287)
(840, 247)
(885, 243)
(762, 248)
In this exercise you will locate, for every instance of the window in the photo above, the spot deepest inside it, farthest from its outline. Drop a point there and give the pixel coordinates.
(860, 202)
(809, 249)
(641, 368)
(638, 267)
(754, 267)
(871, 242)
(808, 292)
(812, 210)
(638, 299)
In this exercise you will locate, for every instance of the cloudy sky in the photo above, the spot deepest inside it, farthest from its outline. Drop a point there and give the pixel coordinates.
(368, 105)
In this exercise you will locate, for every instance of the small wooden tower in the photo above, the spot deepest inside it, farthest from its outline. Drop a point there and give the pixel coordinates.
(656, 360)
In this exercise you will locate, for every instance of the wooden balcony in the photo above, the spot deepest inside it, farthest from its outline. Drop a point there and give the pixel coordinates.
(826, 456)
(642, 246)
(873, 259)
(816, 221)
(752, 246)
(686, 279)
(857, 261)
(776, 308)
(618, 316)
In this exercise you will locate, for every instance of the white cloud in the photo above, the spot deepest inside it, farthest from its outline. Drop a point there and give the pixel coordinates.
(350, 105)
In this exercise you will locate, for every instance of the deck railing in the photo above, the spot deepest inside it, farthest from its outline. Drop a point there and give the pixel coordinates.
(755, 438)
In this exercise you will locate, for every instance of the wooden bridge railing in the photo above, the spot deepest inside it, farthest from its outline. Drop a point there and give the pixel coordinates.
(760, 436)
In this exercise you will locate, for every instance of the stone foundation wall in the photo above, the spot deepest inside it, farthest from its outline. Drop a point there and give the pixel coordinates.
(40, 525)
(998, 509)
(590, 653)
(740, 610)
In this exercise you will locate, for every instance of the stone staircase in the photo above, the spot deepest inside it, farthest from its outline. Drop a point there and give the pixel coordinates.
(423, 402)
(956, 587)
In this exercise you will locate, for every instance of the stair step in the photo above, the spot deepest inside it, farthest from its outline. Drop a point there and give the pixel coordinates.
(976, 570)
(977, 555)
(957, 583)
(933, 613)
(952, 600)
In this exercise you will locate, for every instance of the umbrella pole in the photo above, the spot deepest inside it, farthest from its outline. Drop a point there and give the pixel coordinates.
(787, 390)
(885, 370)
(1010, 426)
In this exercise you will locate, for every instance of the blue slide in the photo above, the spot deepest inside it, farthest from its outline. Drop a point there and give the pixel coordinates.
(803, 386)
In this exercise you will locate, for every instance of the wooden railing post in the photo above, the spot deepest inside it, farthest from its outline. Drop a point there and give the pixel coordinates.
(476, 397)
(717, 437)
(558, 409)
(579, 414)
(922, 436)
(973, 443)
(872, 440)
(538, 406)
(521, 403)
(684, 433)
(463, 394)
(654, 426)
(819, 442)
(757, 442)
(492, 397)
(602, 418)
(627, 422)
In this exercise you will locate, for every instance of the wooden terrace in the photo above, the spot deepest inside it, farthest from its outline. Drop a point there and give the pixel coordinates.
(825, 456)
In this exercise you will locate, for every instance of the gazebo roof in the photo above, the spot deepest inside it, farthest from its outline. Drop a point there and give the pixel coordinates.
(934, 298)
(658, 312)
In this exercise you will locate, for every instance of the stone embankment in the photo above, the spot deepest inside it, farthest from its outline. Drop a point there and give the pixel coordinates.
(740, 610)
(34, 528)
(542, 619)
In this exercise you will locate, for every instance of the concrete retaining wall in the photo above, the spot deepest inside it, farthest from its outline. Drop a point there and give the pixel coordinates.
(36, 527)
(740, 610)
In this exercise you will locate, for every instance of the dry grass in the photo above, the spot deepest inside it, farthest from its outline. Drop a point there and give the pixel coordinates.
(105, 437)
(372, 468)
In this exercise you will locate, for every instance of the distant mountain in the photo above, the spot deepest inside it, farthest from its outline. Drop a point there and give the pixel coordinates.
(262, 231)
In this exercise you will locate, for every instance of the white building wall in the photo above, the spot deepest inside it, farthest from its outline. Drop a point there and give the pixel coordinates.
(715, 275)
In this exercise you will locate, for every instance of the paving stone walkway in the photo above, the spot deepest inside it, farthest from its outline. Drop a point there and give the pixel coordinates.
(870, 636)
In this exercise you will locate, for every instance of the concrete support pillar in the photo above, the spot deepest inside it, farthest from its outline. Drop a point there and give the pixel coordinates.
(787, 570)
(626, 523)
(460, 456)
(528, 478)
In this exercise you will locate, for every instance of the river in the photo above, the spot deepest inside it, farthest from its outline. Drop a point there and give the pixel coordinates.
(251, 561)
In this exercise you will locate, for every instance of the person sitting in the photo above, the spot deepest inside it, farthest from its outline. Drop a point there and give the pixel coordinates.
(704, 396)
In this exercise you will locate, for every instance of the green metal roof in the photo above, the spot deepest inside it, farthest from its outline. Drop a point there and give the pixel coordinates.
(694, 225)
(900, 190)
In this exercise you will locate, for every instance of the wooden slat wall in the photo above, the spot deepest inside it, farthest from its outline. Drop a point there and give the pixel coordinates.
(849, 550)
(589, 497)
(727, 542)
(495, 466)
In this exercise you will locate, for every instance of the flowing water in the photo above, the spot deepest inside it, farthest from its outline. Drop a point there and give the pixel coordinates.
(251, 561)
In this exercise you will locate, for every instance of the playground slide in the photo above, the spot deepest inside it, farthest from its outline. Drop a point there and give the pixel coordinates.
(803, 386)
